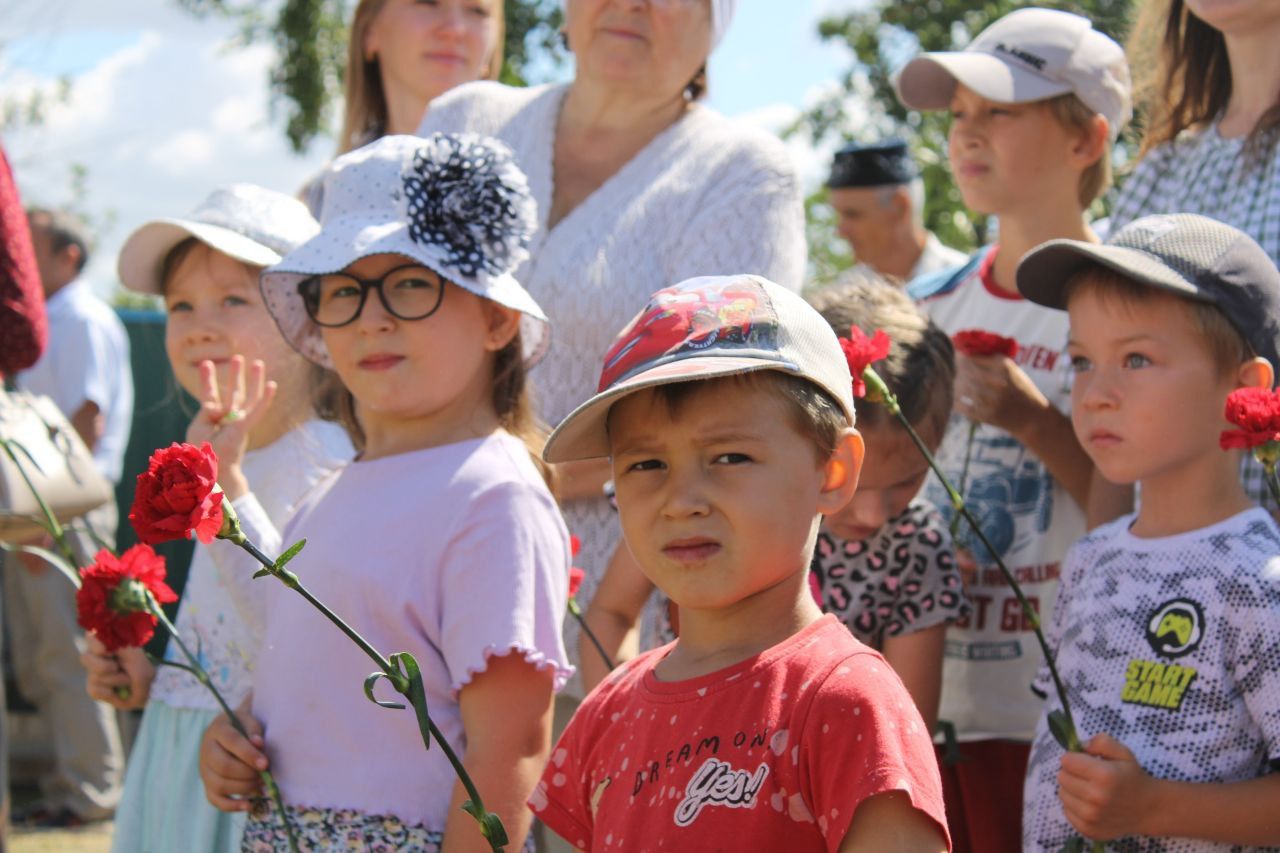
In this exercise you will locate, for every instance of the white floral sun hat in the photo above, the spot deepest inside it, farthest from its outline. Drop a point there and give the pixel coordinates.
(454, 202)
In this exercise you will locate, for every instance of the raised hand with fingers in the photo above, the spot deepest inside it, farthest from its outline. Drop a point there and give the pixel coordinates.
(228, 413)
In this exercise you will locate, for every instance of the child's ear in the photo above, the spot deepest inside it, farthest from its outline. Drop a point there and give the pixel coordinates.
(1257, 372)
(501, 325)
(1091, 144)
(841, 473)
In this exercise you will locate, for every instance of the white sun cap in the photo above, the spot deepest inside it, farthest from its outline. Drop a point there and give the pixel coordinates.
(1028, 55)
(249, 223)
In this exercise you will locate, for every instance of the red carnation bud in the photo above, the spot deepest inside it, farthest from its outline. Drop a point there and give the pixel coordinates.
(861, 352)
(575, 545)
(178, 495)
(112, 599)
(576, 576)
(976, 342)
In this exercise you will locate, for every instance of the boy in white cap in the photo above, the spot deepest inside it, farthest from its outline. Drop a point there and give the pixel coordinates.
(726, 408)
(1036, 101)
(1167, 628)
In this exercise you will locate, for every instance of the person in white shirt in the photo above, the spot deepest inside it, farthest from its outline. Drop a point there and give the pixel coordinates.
(878, 196)
(86, 371)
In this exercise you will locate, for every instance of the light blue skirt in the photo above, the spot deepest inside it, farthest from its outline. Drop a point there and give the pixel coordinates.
(164, 809)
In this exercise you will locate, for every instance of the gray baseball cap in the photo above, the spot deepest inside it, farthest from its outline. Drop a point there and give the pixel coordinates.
(1189, 255)
(1028, 55)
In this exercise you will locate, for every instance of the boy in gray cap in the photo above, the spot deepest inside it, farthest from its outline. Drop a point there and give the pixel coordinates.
(1167, 624)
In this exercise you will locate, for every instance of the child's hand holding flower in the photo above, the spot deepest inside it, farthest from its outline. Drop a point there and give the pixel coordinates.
(1105, 793)
(990, 387)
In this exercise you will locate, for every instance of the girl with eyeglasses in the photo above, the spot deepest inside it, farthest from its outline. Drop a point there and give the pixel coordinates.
(442, 539)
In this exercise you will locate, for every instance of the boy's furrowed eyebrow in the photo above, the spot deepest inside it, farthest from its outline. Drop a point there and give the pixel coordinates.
(712, 437)
(1141, 336)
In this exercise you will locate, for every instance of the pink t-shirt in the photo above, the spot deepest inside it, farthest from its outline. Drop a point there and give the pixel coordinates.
(773, 753)
(454, 554)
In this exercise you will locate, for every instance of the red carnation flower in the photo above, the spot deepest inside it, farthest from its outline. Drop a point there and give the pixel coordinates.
(178, 496)
(980, 343)
(112, 599)
(861, 352)
(575, 574)
(1256, 413)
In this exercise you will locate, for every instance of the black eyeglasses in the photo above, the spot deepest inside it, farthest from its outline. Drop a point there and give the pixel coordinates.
(410, 292)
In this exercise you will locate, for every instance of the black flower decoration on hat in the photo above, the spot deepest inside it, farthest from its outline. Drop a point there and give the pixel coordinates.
(465, 196)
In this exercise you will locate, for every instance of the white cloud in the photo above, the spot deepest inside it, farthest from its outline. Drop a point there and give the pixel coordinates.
(157, 123)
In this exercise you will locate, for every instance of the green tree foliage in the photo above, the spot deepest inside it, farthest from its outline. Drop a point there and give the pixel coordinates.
(882, 38)
(310, 37)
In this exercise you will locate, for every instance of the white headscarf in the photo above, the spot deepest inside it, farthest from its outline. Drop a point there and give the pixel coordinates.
(722, 16)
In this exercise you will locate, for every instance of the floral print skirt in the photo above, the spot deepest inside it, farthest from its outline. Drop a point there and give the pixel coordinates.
(330, 830)
(333, 830)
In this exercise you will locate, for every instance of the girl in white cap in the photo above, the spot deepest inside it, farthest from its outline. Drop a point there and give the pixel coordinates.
(442, 539)
(206, 267)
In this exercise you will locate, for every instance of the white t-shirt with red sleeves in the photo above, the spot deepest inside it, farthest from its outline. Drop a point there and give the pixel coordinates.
(773, 753)
(992, 655)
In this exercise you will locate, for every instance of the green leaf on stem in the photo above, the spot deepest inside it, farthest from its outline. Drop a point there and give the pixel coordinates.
(1074, 845)
(1064, 732)
(55, 560)
(381, 703)
(490, 826)
(288, 555)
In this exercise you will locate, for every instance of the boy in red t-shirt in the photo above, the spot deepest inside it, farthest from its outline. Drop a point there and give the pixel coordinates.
(726, 407)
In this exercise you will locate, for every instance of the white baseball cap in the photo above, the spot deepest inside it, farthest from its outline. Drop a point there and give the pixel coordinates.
(243, 221)
(1028, 55)
(703, 328)
(456, 203)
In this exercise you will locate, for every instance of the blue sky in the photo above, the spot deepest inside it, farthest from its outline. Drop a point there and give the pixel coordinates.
(162, 107)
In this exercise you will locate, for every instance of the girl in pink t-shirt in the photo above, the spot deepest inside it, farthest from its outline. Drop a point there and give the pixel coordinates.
(442, 539)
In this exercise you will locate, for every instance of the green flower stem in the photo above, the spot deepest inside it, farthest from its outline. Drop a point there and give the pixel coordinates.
(964, 472)
(576, 611)
(51, 523)
(877, 387)
(402, 671)
(1269, 471)
(56, 530)
(194, 667)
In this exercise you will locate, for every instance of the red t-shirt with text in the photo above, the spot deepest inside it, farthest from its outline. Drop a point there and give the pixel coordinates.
(773, 753)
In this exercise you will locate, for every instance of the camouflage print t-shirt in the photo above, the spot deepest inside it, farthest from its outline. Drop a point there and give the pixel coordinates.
(1171, 646)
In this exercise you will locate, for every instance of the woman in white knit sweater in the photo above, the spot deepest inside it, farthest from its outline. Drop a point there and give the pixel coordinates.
(638, 187)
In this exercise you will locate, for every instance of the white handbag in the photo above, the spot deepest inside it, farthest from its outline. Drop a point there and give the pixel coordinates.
(43, 446)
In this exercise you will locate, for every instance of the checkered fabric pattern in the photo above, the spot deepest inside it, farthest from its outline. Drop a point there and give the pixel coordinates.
(1202, 172)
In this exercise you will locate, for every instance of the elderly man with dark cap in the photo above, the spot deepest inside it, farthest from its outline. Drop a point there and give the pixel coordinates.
(879, 200)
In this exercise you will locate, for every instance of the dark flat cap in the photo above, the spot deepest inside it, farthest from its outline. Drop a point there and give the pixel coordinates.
(880, 164)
